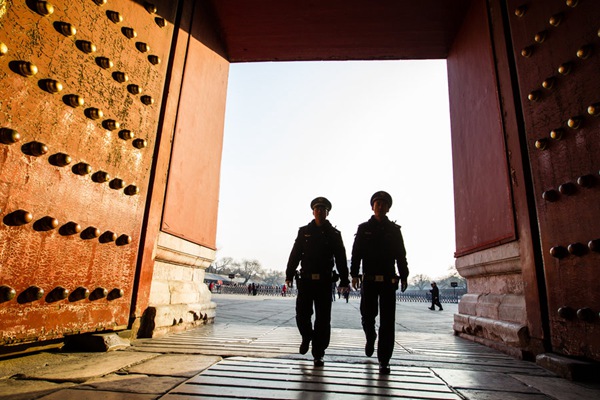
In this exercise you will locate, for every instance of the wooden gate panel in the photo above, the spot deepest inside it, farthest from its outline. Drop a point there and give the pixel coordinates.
(80, 90)
(557, 52)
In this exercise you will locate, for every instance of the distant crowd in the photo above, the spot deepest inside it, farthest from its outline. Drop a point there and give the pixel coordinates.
(254, 289)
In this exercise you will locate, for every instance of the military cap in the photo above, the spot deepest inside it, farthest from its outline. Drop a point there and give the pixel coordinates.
(381, 195)
(320, 201)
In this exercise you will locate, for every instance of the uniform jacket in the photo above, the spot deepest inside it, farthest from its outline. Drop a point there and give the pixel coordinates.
(380, 247)
(315, 249)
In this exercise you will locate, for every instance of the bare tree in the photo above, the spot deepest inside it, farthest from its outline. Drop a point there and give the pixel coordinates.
(421, 281)
(273, 277)
(452, 276)
(249, 269)
(221, 266)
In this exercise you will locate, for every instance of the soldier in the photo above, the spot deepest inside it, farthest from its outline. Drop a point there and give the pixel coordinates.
(435, 297)
(380, 247)
(315, 248)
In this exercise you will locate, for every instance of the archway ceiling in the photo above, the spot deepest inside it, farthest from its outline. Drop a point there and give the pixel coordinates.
(309, 30)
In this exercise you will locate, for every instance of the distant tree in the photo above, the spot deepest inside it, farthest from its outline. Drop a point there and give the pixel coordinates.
(451, 276)
(420, 281)
(273, 277)
(249, 269)
(221, 265)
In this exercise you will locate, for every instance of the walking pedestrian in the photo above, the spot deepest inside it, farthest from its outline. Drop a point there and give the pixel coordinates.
(379, 246)
(435, 297)
(315, 248)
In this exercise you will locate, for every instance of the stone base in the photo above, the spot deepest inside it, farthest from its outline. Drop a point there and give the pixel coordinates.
(494, 311)
(97, 342)
(510, 338)
(179, 298)
(164, 319)
(569, 368)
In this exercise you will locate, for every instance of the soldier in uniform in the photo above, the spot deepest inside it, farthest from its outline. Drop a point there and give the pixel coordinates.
(435, 297)
(315, 248)
(379, 245)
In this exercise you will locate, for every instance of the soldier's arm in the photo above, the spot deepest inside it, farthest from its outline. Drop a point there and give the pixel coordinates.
(341, 262)
(295, 257)
(401, 262)
(357, 255)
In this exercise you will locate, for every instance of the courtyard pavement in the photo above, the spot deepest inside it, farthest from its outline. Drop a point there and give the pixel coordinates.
(251, 352)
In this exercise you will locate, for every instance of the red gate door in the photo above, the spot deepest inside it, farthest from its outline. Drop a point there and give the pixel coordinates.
(80, 90)
(557, 52)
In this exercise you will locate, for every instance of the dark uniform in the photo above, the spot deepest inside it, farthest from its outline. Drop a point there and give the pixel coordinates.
(315, 249)
(380, 247)
(435, 297)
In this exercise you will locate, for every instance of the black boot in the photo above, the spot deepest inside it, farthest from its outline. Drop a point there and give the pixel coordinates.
(370, 346)
(304, 346)
(384, 368)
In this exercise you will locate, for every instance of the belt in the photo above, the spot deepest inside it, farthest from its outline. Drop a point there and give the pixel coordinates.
(312, 277)
(380, 278)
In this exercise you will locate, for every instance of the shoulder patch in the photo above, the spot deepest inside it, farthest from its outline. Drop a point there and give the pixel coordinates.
(364, 225)
(395, 224)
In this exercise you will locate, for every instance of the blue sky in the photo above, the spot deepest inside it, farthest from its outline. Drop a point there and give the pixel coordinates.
(343, 130)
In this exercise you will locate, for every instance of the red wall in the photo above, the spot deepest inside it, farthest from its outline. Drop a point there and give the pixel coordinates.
(483, 205)
(191, 203)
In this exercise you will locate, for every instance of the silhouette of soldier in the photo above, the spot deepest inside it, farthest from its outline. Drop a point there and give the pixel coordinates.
(380, 247)
(315, 248)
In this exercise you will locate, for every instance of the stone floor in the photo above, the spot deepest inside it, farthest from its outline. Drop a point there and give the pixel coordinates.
(251, 353)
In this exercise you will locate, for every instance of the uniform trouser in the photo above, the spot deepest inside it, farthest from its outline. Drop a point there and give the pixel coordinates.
(379, 297)
(315, 293)
(436, 302)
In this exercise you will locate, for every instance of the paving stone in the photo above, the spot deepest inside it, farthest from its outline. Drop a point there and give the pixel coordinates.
(13, 389)
(495, 395)
(81, 370)
(78, 394)
(560, 389)
(30, 362)
(478, 380)
(133, 383)
(175, 365)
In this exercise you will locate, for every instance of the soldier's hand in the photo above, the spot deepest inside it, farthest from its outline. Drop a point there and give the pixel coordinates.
(404, 285)
(288, 283)
(355, 283)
